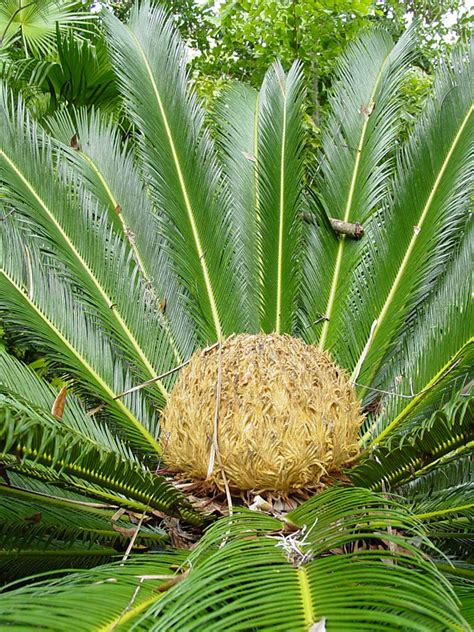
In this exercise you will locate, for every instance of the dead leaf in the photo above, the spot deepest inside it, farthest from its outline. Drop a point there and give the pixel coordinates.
(260, 504)
(248, 156)
(163, 305)
(118, 514)
(35, 518)
(75, 142)
(58, 405)
(366, 110)
(126, 532)
(118, 209)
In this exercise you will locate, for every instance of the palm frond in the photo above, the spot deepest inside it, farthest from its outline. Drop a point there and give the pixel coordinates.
(97, 258)
(410, 452)
(115, 595)
(42, 310)
(36, 444)
(443, 498)
(41, 532)
(464, 590)
(236, 120)
(21, 382)
(251, 571)
(181, 166)
(110, 172)
(280, 185)
(83, 75)
(356, 166)
(36, 23)
(292, 582)
(433, 356)
(422, 228)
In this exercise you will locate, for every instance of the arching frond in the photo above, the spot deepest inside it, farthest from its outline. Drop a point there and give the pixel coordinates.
(280, 185)
(443, 498)
(109, 171)
(411, 452)
(236, 118)
(292, 580)
(115, 594)
(43, 310)
(355, 169)
(40, 532)
(434, 354)
(33, 442)
(422, 228)
(22, 383)
(339, 560)
(181, 167)
(95, 256)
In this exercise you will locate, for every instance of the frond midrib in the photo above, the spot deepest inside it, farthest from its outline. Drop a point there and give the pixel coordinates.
(347, 211)
(97, 378)
(184, 191)
(281, 215)
(416, 232)
(136, 253)
(83, 264)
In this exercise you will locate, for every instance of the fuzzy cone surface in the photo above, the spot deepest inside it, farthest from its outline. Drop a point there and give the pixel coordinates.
(287, 415)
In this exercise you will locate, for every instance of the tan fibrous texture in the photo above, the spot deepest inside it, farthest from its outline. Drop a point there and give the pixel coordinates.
(287, 415)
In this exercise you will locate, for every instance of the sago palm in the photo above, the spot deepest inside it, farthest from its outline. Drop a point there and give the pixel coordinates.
(122, 259)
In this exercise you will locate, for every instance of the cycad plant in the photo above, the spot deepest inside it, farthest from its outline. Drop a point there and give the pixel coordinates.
(121, 258)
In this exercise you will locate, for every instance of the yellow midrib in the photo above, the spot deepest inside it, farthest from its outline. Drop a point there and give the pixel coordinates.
(347, 212)
(139, 260)
(258, 217)
(411, 245)
(443, 512)
(131, 613)
(281, 217)
(306, 599)
(187, 202)
(88, 271)
(143, 431)
(414, 402)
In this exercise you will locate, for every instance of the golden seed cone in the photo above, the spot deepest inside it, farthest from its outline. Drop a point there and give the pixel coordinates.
(287, 415)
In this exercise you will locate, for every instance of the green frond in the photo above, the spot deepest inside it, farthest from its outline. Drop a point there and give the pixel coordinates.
(23, 384)
(443, 498)
(355, 169)
(356, 569)
(82, 75)
(236, 120)
(433, 357)
(42, 310)
(464, 590)
(113, 595)
(412, 451)
(36, 22)
(40, 532)
(181, 166)
(36, 444)
(261, 138)
(248, 573)
(420, 230)
(110, 172)
(280, 186)
(96, 258)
